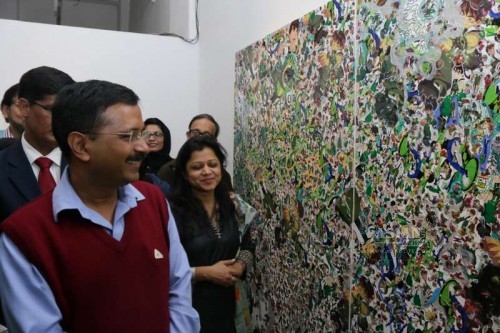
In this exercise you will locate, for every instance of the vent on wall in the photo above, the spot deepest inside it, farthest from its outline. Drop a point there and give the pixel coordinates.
(98, 14)
(141, 16)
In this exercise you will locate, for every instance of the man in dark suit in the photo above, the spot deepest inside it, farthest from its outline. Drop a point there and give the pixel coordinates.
(6, 142)
(19, 170)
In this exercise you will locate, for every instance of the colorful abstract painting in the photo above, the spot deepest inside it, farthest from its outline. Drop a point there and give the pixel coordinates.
(367, 135)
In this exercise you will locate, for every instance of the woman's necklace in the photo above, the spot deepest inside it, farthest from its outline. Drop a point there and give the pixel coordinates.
(214, 221)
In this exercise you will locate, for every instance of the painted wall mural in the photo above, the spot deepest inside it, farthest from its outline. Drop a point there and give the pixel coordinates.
(367, 134)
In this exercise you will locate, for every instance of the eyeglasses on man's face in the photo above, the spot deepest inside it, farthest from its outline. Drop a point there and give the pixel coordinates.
(132, 136)
(195, 132)
(156, 135)
(45, 107)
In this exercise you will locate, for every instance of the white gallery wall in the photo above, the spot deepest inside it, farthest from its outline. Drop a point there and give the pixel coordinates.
(175, 80)
(227, 26)
(163, 71)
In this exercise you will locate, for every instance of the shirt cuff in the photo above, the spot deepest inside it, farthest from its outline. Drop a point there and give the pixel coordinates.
(193, 270)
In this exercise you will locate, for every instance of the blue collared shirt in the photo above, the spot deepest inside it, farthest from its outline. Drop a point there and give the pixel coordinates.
(28, 302)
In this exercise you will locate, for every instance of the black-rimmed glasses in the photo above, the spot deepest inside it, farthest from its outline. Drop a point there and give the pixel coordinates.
(45, 107)
(195, 132)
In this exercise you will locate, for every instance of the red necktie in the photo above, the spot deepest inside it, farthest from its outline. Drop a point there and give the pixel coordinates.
(45, 179)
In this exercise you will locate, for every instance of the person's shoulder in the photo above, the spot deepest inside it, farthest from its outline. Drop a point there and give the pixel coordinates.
(169, 165)
(154, 197)
(4, 154)
(166, 171)
(147, 189)
(157, 180)
(142, 185)
(11, 144)
(38, 209)
(13, 153)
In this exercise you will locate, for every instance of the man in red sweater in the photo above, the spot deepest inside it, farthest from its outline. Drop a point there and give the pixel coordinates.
(100, 252)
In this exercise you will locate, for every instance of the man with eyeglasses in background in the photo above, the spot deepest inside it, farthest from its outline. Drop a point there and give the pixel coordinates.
(115, 262)
(24, 173)
(202, 124)
(33, 164)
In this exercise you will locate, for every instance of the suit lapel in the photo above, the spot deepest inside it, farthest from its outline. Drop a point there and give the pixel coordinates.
(21, 174)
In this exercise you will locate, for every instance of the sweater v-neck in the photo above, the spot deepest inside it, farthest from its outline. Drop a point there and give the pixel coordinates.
(108, 239)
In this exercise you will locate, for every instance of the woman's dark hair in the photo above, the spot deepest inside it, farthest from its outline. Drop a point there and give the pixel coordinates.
(155, 160)
(187, 208)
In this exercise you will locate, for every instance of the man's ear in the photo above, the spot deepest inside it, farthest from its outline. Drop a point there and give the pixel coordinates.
(5, 112)
(78, 143)
(24, 105)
